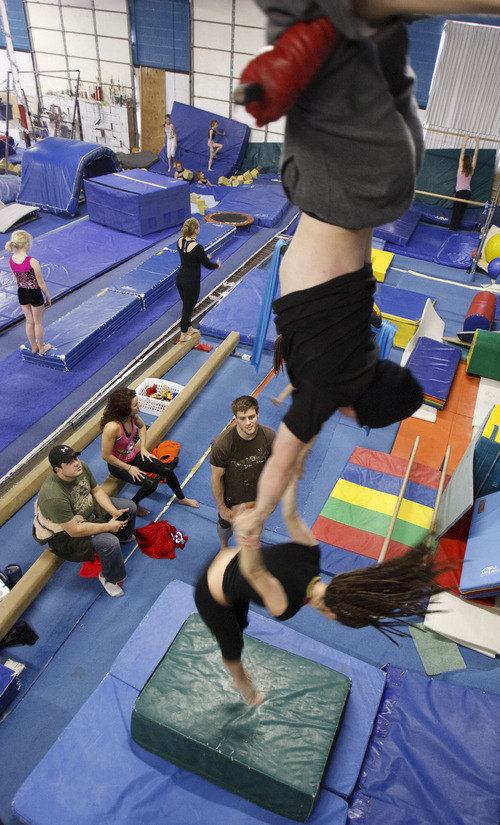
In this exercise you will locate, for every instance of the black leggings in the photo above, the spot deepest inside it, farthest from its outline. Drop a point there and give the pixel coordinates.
(148, 485)
(189, 290)
(226, 623)
(459, 208)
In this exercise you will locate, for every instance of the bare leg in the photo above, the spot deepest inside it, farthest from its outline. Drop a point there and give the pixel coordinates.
(37, 318)
(30, 326)
(242, 682)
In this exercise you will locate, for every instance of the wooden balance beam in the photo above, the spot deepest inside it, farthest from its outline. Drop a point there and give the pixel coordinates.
(41, 571)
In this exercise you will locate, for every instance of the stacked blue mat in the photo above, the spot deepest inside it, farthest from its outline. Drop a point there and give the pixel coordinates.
(80, 332)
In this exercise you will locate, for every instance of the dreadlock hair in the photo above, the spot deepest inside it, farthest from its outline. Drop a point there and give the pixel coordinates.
(118, 406)
(278, 359)
(383, 596)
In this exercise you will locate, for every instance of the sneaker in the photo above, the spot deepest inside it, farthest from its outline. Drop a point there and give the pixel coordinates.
(111, 589)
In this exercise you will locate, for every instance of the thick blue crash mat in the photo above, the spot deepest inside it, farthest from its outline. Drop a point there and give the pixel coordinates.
(433, 758)
(192, 125)
(54, 169)
(137, 201)
(76, 334)
(212, 236)
(185, 715)
(240, 311)
(148, 789)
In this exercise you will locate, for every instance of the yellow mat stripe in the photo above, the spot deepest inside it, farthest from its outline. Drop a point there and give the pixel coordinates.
(418, 514)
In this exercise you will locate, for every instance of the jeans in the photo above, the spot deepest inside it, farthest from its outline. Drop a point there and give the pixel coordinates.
(107, 545)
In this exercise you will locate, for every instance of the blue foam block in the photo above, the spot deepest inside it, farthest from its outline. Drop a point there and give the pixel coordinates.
(481, 570)
(137, 201)
(424, 244)
(457, 250)
(400, 231)
(400, 303)
(433, 757)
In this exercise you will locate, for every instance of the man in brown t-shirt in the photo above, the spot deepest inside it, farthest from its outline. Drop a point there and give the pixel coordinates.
(237, 457)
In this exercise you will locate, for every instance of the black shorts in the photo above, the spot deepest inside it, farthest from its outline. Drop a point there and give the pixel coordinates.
(31, 297)
(226, 623)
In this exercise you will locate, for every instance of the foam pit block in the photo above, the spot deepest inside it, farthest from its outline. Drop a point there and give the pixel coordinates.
(137, 201)
(186, 714)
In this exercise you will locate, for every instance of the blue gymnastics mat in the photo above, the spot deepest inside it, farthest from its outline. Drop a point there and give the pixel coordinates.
(81, 331)
(147, 785)
(266, 204)
(437, 244)
(433, 757)
(54, 169)
(71, 256)
(240, 311)
(192, 125)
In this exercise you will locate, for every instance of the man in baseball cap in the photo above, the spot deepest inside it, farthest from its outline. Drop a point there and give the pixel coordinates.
(76, 518)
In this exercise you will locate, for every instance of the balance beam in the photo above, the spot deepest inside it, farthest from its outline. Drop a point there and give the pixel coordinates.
(36, 577)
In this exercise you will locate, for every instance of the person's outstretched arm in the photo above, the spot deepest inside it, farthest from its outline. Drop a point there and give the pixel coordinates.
(462, 155)
(271, 591)
(474, 159)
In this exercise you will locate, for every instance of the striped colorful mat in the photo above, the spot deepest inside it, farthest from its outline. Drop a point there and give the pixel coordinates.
(358, 512)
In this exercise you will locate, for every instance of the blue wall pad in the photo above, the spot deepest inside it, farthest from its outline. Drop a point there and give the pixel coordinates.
(240, 311)
(54, 169)
(81, 331)
(185, 714)
(192, 125)
(434, 363)
(433, 757)
(400, 231)
(77, 254)
(136, 202)
(266, 204)
(146, 788)
(481, 571)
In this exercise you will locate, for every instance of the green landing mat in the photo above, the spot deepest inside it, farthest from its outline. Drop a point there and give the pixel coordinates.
(274, 755)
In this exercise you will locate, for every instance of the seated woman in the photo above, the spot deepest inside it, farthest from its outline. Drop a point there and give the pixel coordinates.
(286, 577)
(121, 425)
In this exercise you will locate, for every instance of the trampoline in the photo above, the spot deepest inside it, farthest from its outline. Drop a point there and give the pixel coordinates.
(232, 218)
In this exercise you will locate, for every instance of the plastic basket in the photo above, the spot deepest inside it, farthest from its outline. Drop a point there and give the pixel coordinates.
(155, 406)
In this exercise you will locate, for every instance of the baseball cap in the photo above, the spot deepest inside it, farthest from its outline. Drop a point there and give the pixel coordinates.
(62, 454)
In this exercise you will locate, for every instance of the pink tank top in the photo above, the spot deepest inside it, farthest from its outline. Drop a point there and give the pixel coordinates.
(463, 182)
(24, 273)
(124, 447)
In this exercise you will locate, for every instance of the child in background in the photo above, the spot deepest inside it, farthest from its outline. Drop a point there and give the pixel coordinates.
(199, 177)
(171, 140)
(213, 147)
(466, 168)
(31, 288)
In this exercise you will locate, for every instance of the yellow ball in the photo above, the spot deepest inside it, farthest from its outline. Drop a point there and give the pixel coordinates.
(492, 248)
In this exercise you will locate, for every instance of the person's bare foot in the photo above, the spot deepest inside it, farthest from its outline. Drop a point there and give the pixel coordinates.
(189, 502)
(247, 691)
(35, 349)
(184, 336)
(45, 348)
(191, 330)
(142, 512)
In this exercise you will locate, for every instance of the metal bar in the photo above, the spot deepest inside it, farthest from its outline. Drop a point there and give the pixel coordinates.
(447, 197)
(460, 134)
(432, 528)
(398, 503)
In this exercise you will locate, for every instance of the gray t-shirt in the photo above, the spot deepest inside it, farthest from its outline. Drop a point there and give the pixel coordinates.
(243, 461)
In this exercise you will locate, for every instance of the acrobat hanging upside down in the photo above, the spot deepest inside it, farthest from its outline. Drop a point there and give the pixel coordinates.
(353, 144)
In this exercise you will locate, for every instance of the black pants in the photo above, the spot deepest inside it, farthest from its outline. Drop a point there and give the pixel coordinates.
(189, 290)
(459, 208)
(226, 623)
(148, 485)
